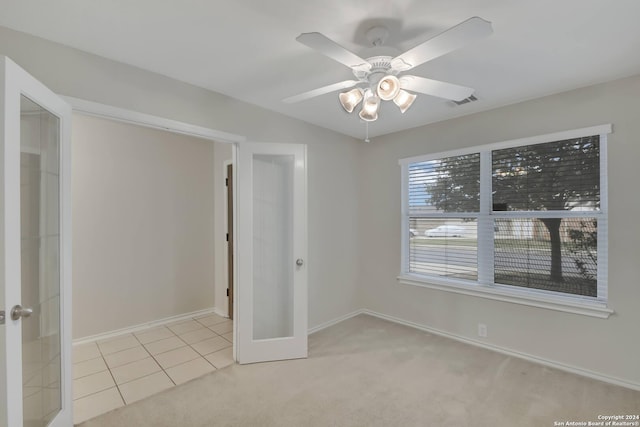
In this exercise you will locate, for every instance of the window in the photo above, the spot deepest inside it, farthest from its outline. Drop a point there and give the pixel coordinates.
(525, 219)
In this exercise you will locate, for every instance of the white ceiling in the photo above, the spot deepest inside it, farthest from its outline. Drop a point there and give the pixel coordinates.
(246, 49)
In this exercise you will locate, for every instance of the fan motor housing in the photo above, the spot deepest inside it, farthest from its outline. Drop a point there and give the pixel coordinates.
(380, 67)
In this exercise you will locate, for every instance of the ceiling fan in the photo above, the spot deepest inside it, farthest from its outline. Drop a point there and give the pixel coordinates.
(381, 77)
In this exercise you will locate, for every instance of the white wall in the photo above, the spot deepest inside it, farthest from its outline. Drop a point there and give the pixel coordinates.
(608, 347)
(142, 225)
(332, 158)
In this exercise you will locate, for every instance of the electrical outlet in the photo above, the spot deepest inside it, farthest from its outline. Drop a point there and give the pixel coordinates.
(482, 330)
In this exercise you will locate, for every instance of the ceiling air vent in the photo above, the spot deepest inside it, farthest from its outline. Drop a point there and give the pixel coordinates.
(472, 98)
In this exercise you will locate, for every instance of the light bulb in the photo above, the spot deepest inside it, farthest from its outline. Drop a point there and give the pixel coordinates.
(404, 100)
(370, 107)
(388, 87)
(350, 99)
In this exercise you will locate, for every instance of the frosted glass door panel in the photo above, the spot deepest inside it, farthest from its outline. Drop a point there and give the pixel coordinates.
(273, 259)
(40, 263)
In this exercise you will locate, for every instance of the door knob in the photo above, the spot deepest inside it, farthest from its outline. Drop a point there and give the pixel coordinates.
(299, 262)
(19, 311)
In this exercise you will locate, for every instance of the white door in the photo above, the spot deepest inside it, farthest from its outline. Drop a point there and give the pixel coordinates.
(271, 267)
(35, 253)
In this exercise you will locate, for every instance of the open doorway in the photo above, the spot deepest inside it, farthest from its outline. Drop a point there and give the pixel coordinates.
(223, 155)
(144, 226)
(166, 193)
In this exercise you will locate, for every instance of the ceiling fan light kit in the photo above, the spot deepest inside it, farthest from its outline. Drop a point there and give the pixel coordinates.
(404, 100)
(377, 77)
(349, 100)
(370, 106)
(388, 88)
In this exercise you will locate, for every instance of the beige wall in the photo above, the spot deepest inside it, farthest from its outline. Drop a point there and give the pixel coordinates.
(609, 347)
(332, 158)
(142, 225)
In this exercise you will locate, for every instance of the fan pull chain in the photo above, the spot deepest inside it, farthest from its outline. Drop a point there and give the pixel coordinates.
(366, 137)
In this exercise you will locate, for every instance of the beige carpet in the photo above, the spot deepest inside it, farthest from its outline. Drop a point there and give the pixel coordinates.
(370, 372)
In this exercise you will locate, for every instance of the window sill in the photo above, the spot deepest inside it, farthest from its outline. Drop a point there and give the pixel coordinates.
(565, 304)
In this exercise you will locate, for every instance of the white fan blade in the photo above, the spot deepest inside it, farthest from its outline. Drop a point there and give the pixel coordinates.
(333, 50)
(454, 38)
(320, 91)
(435, 88)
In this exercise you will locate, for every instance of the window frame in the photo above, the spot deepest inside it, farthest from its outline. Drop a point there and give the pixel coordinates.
(484, 286)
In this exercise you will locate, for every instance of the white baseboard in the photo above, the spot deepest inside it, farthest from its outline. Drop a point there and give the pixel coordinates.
(220, 312)
(535, 359)
(142, 326)
(334, 321)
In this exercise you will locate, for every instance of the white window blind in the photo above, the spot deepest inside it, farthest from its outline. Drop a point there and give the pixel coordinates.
(524, 216)
(555, 176)
(444, 242)
(450, 184)
(558, 251)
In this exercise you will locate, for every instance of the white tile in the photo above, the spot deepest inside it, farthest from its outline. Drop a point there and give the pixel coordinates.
(88, 367)
(190, 370)
(197, 335)
(211, 319)
(182, 327)
(166, 344)
(211, 345)
(176, 357)
(228, 336)
(222, 328)
(155, 334)
(92, 384)
(118, 344)
(146, 386)
(126, 356)
(221, 358)
(133, 371)
(84, 352)
(96, 404)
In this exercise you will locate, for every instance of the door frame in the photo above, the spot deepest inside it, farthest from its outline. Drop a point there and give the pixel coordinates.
(228, 172)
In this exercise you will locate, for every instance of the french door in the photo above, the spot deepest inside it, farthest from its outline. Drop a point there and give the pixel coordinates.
(35, 253)
(271, 269)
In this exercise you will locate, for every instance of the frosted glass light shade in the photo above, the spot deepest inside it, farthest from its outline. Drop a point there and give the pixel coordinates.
(370, 108)
(404, 100)
(350, 99)
(388, 88)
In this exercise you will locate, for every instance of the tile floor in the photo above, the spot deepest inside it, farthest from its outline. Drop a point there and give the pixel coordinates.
(115, 372)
